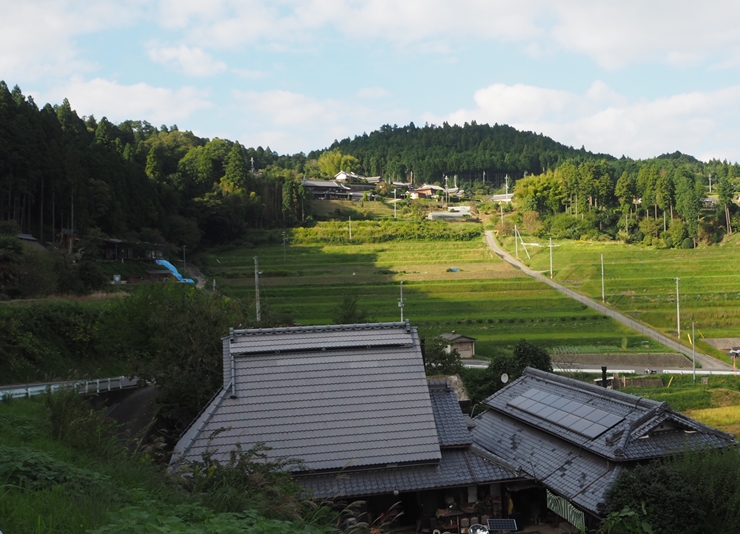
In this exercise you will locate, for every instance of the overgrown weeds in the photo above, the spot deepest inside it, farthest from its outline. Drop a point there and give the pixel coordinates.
(248, 478)
(75, 423)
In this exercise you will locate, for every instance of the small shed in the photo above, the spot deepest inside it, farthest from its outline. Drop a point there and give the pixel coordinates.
(465, 345)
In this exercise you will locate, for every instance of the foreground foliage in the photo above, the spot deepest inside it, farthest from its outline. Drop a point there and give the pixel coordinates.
(695, 492)
(54, 481)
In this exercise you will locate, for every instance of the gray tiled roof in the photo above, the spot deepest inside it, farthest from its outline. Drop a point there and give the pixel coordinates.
(571, 464)
(454, 336)
(458, 467)
(630, 439)
(356, 395)
(451, 426)
(566, 469)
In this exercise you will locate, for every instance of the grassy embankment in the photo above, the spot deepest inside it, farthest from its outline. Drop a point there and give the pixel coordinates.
(485, 298)
(716, 404)
(640, 282)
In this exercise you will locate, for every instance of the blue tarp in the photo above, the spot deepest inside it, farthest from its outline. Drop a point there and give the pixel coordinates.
(176, 274)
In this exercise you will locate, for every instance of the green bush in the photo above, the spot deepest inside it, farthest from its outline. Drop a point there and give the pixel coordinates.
(693, 492)
(76, 423)
(34, 471)
(248, 479)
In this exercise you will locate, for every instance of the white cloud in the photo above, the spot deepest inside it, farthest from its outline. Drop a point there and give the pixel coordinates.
(697, 123)
(118, 102)
(192, 61)
(249, 74)
(613, 34)
(297, 122)
(37, 38)
(373, 92)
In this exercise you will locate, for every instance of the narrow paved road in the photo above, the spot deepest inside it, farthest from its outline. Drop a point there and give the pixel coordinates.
(195, 274)
(707, 362)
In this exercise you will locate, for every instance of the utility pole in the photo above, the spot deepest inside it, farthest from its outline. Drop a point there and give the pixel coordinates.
(693, 351)
(400, 301)
(603, 297)
(507, 183)
(350, 228)
(283, 246)
(678, 311)
(501, 205)
(394, 202)
(551, 258)
(516, 242)
(257, 289)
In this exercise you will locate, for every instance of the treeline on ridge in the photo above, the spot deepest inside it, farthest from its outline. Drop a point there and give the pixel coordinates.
(664, 202)
(63, 175)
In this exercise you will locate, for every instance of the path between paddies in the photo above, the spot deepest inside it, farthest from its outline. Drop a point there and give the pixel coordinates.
(707, 362)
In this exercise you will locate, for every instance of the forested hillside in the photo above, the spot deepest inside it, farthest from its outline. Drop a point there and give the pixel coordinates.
(465, 151)
(64, 175)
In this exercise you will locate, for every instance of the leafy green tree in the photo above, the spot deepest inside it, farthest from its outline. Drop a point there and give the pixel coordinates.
(525, 355)
(348, 311)
(726, 192)
(440, 358)
(688, 199)
(171, 333)
(693, 492)
(332, 161)
(11, 254)
(237, 173)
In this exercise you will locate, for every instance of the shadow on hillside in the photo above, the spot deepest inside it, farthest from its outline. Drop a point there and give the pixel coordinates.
(308, 283)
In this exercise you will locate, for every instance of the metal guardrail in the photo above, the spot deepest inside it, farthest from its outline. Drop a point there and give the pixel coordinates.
(97, 385)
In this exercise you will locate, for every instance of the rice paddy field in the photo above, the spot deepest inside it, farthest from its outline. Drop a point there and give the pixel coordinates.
(447, 285)
(640, 281)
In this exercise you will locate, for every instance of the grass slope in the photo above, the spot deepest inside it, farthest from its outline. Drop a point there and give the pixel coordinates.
(640, 282)
(485, 298)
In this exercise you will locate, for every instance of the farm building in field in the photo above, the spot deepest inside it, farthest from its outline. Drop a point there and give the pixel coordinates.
(465, 345)
(352, 402)
(427, 191)
(351, 177)
(447, 216)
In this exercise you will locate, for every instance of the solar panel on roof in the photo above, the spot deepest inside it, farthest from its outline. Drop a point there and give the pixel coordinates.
(580, 418)
(502, 524)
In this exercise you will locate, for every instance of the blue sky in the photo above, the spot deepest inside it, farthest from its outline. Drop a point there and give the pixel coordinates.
(632, 77)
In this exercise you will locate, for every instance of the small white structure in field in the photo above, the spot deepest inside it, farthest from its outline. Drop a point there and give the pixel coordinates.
(465, 345)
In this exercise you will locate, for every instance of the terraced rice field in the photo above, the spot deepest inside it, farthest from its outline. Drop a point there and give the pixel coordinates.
(640, 281)
(448, 285)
